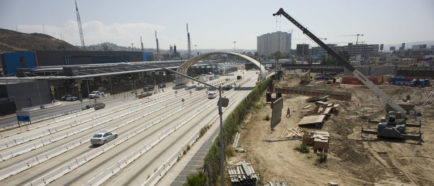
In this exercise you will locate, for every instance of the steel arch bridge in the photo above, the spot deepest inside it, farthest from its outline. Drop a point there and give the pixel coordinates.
(186, 65)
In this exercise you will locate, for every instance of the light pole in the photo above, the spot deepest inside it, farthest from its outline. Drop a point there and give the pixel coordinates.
(222, 102)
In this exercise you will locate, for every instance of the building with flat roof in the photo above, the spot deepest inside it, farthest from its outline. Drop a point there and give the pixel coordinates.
(273, 42)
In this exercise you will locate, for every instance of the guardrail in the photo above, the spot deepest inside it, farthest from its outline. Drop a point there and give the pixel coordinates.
(71, 165)
(162, 170)
(60, 128)
(105, 175)
(26, 164)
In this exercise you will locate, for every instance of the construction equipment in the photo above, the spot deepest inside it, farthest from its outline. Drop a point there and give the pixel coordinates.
(304, 78)
(395, 125)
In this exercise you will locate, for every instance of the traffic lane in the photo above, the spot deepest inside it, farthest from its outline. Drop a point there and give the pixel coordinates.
(144, 166)
(56, 144)
(82, 174)
(39, 170)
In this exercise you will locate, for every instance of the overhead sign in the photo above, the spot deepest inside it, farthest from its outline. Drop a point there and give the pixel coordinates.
(23, 116)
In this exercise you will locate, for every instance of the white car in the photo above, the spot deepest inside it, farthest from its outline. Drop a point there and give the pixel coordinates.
(212, 95)
(96, 94)
(102, 137)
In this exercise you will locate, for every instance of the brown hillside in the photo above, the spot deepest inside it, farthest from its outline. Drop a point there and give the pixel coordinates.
(17, 41)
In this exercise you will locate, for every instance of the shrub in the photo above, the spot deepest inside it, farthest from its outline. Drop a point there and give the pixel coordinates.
(322, 158)
(267, 118)
(303, 148)
(198, 179)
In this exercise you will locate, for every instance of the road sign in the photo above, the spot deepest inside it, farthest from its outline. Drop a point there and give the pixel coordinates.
(23, 116)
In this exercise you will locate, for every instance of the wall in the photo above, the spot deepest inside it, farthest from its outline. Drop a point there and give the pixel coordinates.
(29, 94)
(14, 60)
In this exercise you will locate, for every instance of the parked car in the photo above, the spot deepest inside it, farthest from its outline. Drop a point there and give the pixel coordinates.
(102, 138)
(69, 97)
(240, 77)
(96, 94)
(212, 95)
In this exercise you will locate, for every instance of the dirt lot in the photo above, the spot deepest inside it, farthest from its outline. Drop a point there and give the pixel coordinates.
(351, 160)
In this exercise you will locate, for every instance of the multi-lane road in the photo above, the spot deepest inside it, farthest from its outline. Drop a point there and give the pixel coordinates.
(151, 131)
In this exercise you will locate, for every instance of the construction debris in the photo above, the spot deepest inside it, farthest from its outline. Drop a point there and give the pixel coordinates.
(237, 138)
(242, 174)
(318, 139)
(271, 183)
(312, 121)
(314, 99)
(293, 133)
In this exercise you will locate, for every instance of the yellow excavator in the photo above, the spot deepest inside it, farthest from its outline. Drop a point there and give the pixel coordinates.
(304, 77)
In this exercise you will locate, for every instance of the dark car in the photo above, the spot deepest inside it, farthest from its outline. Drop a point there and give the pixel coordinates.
(239, 77)
(69, 97)
(227, 87)
(96, 106)
(162, 85)
(212, 88)
(190, 87)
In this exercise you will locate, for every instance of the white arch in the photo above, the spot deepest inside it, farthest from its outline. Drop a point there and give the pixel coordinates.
(184, 67)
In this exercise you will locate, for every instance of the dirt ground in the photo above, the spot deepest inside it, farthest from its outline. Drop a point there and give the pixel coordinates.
(352, 160)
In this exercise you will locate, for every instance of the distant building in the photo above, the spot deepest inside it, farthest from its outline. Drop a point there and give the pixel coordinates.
(402, 47)
(392, 48)
(419, 47)
(362, 50)
(273, 42)
(302, 50)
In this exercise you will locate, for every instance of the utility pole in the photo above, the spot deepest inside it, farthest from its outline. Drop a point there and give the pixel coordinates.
(141, 42)
(80, 30)
(188, 41)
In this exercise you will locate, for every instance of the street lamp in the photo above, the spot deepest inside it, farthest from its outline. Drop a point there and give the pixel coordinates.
(222, 102)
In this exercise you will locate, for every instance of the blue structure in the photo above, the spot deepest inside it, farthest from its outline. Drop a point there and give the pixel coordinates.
(147, 55)
(13, 60)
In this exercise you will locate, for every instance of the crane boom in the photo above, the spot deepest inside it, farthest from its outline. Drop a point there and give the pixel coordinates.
(345, 63)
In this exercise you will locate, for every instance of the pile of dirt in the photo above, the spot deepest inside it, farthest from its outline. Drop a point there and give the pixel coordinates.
(352, 160)
(17, 41)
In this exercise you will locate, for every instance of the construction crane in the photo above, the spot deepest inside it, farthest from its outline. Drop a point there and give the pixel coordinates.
(80, 30)
(394, 126)
(352, 35)
(158, 47)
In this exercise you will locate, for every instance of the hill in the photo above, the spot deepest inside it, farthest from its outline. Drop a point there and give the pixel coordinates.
(17, 41)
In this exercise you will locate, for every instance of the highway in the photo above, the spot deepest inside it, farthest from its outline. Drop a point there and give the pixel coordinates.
(151, 131)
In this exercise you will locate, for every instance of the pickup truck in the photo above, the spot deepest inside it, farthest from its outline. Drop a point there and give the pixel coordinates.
(96, 94)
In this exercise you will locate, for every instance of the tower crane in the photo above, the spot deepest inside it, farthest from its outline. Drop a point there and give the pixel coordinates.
(394, 125)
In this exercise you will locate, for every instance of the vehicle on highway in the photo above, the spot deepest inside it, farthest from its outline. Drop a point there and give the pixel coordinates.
(227, 79)
(96, 94)
(102, 137)
(190, 87)
(212, 88)
(239, 77)
(227, 87)
(96, 106)
(162, 85)
(212, 95)
(148, 87)
(69, 97)
(199, 87)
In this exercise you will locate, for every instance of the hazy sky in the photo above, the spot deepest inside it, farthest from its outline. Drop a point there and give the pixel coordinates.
(216, 24)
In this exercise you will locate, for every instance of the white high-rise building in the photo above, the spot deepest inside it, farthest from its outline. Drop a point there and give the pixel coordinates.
(273, 42)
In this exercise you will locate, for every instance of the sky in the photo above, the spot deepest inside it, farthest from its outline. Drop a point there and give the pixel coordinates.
(216, 24)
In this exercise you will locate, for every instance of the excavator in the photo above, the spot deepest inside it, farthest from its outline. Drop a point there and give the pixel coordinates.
(393, 126)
